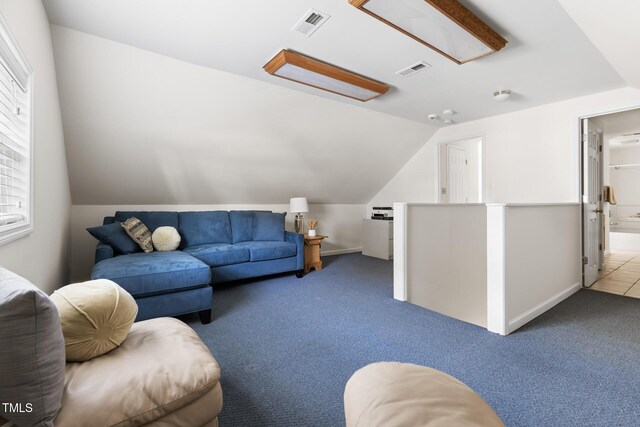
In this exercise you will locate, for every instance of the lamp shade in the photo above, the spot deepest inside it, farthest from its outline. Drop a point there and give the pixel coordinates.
(298, 204)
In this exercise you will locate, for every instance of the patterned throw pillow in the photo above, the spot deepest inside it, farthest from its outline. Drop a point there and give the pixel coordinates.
(139, 233)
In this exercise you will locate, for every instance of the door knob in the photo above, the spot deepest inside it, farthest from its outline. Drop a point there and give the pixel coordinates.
(598, 211)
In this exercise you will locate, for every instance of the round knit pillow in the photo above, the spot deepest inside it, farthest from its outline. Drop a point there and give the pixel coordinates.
(166, 239)
(96, 317)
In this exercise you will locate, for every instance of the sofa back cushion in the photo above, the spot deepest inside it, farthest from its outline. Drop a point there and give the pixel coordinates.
(200, 228)
(242, 225)
(32, 358)
(152, 219)
(268, 226)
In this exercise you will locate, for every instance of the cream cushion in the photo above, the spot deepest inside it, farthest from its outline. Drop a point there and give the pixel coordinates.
(166, 239)
(162, 374)
(96, 317)
(393, 394)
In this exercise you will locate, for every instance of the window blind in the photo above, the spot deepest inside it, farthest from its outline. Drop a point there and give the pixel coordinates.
(15, 139)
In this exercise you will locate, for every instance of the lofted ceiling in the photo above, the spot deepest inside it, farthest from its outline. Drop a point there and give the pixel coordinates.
(143, 128)
(613, 28)
(548, 57)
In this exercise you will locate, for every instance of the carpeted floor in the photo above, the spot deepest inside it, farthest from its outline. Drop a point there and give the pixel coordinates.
(287, 347)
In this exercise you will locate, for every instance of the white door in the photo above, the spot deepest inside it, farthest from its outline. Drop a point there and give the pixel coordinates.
(591, 201)
(456, 174)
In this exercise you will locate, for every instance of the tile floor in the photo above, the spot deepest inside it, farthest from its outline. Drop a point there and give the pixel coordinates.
(621, 274)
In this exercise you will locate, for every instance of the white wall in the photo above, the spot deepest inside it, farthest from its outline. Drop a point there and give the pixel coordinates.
(342, 223)
(445, 259)
(531, 156)
(143, 128)
(42, 257)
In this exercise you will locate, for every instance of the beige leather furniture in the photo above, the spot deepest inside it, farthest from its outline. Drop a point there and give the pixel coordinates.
(161, 375)
(392, 394)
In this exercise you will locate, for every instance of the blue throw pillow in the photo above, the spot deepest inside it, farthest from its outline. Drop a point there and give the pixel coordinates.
(268, 226)
(114, 235)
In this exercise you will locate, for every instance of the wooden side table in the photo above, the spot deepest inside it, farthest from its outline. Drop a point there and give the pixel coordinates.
(312, 252)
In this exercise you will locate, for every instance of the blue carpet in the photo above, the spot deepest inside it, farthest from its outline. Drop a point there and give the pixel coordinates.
(287, 347)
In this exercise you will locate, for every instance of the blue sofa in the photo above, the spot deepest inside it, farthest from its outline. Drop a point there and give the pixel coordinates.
(216, 247)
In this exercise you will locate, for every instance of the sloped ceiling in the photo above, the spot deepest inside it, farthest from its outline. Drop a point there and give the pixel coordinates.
(143, 128)
(613, 28)
(548, 58)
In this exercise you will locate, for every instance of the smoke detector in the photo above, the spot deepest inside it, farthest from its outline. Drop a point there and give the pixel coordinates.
(433, 117)
(310, 22)
(501, 95)
(411, 70)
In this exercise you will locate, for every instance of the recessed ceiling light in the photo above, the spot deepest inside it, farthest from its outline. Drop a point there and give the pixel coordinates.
(433, 117)
(449, 122)
(448, 112)
(501, 95)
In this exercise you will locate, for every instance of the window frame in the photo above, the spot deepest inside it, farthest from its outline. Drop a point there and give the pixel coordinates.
(11, 232)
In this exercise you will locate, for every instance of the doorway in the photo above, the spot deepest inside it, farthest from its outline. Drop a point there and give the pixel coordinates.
(611, 202)
(460, 171)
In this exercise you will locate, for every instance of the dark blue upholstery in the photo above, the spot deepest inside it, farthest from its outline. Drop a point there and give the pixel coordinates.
(177, 282)
(268, 226)
(262, 251)
(152, 219)
(174, 304)
(217, 254)
(103, 252)
(201, 228)
(154, 273)
(241, 225)
(114, 235)
(228, 273)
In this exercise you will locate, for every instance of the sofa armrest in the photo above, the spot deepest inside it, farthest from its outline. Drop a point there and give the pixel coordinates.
(298, 239)
(103, 251)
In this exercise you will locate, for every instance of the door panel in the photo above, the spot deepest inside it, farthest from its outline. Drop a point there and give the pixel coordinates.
(456, 174)
(591, 201)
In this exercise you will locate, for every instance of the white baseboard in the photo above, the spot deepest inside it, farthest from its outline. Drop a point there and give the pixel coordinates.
(340, 251)
(541, 308)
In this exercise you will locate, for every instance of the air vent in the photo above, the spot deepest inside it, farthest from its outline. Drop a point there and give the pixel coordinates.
(310, 22)
(410, 71)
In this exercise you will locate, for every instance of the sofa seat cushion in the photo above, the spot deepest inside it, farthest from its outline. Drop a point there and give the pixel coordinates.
(154, 273)
(160, 368)
(263, 251)
(218, 254)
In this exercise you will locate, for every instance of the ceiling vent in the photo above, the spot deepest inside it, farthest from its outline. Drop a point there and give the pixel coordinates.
(410, 71)
(310, 22)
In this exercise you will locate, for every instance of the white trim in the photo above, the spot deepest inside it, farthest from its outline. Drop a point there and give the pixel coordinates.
(400, 251)
(24, 228)
(496, 268)
(542, 307)
(340, 251)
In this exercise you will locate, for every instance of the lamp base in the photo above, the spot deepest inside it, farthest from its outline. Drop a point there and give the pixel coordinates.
(298, 224)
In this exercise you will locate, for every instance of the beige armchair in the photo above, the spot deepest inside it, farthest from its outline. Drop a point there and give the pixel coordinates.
(161, 375)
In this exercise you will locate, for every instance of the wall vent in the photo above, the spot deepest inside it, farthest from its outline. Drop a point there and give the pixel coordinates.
(310, 22)
(410, 71)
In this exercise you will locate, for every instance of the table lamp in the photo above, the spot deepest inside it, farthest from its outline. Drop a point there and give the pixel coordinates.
(298, 205)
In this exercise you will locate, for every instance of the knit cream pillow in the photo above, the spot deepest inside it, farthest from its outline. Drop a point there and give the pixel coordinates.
(96, 317)
(166, 239)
